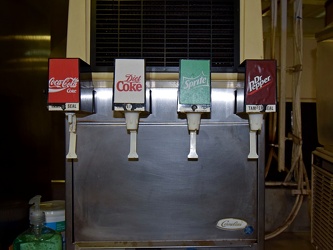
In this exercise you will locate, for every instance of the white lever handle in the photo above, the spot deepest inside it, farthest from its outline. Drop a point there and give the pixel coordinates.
(193, 145)
(71, 118)
(72, 146)
(253, 145)
(133, 154)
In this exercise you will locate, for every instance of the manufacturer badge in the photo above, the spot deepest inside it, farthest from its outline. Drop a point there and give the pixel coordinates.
(231, 224)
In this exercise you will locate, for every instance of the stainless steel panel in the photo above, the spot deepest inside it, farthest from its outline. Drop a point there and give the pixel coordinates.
(163, 199)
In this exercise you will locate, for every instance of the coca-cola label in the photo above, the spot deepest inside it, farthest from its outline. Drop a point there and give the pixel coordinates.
(64, 83)
(260, 86)
(194, 93)
(129, 84)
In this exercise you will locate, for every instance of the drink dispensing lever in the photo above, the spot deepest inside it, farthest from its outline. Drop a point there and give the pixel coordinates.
(71, 119)
(193, 123)
(132, 121)
(255, 120)
(71, 91)
(129, 92)
(259, 96)
(194, 97)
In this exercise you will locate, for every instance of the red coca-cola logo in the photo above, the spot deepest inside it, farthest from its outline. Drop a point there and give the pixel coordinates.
(69, 83)
(131, 83)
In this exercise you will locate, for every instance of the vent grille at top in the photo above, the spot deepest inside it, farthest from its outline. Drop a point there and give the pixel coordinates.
(163, 32)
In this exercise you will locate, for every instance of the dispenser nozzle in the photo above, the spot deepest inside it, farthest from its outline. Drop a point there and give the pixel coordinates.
(256, 121)
(37, 216)
(35, 201)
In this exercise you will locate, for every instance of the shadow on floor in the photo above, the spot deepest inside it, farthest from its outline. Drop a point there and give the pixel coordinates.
(290, 241)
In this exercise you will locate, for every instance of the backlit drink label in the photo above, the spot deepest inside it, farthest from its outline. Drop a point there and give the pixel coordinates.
(64, 85)
(260, 86)
(194, 86)
(129, 85)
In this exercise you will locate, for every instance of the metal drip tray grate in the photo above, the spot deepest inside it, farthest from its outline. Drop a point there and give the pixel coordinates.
(322, 208)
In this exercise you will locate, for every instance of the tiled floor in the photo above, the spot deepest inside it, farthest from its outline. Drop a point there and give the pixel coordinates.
(290, 241)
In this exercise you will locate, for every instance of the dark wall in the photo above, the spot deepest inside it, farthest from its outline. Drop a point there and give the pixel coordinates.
(32, 138)
(310, 140)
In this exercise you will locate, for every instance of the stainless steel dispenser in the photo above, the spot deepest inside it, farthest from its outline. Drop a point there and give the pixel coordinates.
(164, 200)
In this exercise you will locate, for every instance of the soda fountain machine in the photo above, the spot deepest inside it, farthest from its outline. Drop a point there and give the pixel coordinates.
(188, 181)
(164, 199)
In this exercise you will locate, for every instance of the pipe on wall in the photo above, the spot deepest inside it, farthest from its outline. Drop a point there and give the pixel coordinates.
(282, 89)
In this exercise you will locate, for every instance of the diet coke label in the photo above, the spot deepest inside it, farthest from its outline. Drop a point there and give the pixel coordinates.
(64, 84)
(260, 85)
(129, 84)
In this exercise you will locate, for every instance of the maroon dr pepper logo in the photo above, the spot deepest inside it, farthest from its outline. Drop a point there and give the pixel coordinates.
(260, 82)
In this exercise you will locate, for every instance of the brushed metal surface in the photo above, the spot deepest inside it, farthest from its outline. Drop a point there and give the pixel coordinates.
(163, 199)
